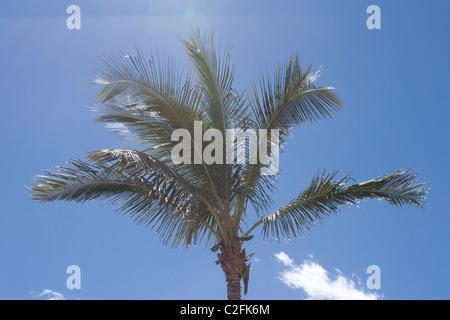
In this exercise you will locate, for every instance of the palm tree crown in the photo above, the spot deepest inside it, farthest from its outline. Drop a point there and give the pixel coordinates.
(146, 99)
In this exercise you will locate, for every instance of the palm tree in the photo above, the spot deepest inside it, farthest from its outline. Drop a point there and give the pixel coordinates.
(146, 99)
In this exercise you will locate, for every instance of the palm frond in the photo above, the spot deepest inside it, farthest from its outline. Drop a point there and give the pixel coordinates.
(148, 100)
(222, 106)
(325, 195)
(291, 97)
(150, 199)
(288, 98)
(81, 183)
(147, 97)
(138, 159)
(214, 77)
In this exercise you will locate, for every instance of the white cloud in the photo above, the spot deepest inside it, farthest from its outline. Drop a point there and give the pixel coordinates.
(48, 294)
(317, 284)
(284, 258)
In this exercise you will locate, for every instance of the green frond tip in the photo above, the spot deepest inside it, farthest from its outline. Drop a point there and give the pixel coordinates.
(325, 195)
(80, 183)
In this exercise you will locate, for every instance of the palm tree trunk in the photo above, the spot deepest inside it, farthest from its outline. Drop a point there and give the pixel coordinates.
(232, 260)
(233, 280)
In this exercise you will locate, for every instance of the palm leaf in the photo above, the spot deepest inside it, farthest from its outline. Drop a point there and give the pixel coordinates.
(223, 107)
(138, 159)
(150, 199)
(325, 195)
(150, 97)
(291, 97)
(214, 77)
(287, 99)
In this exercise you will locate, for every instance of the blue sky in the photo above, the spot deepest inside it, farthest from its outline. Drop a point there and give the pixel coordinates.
(393, 83)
